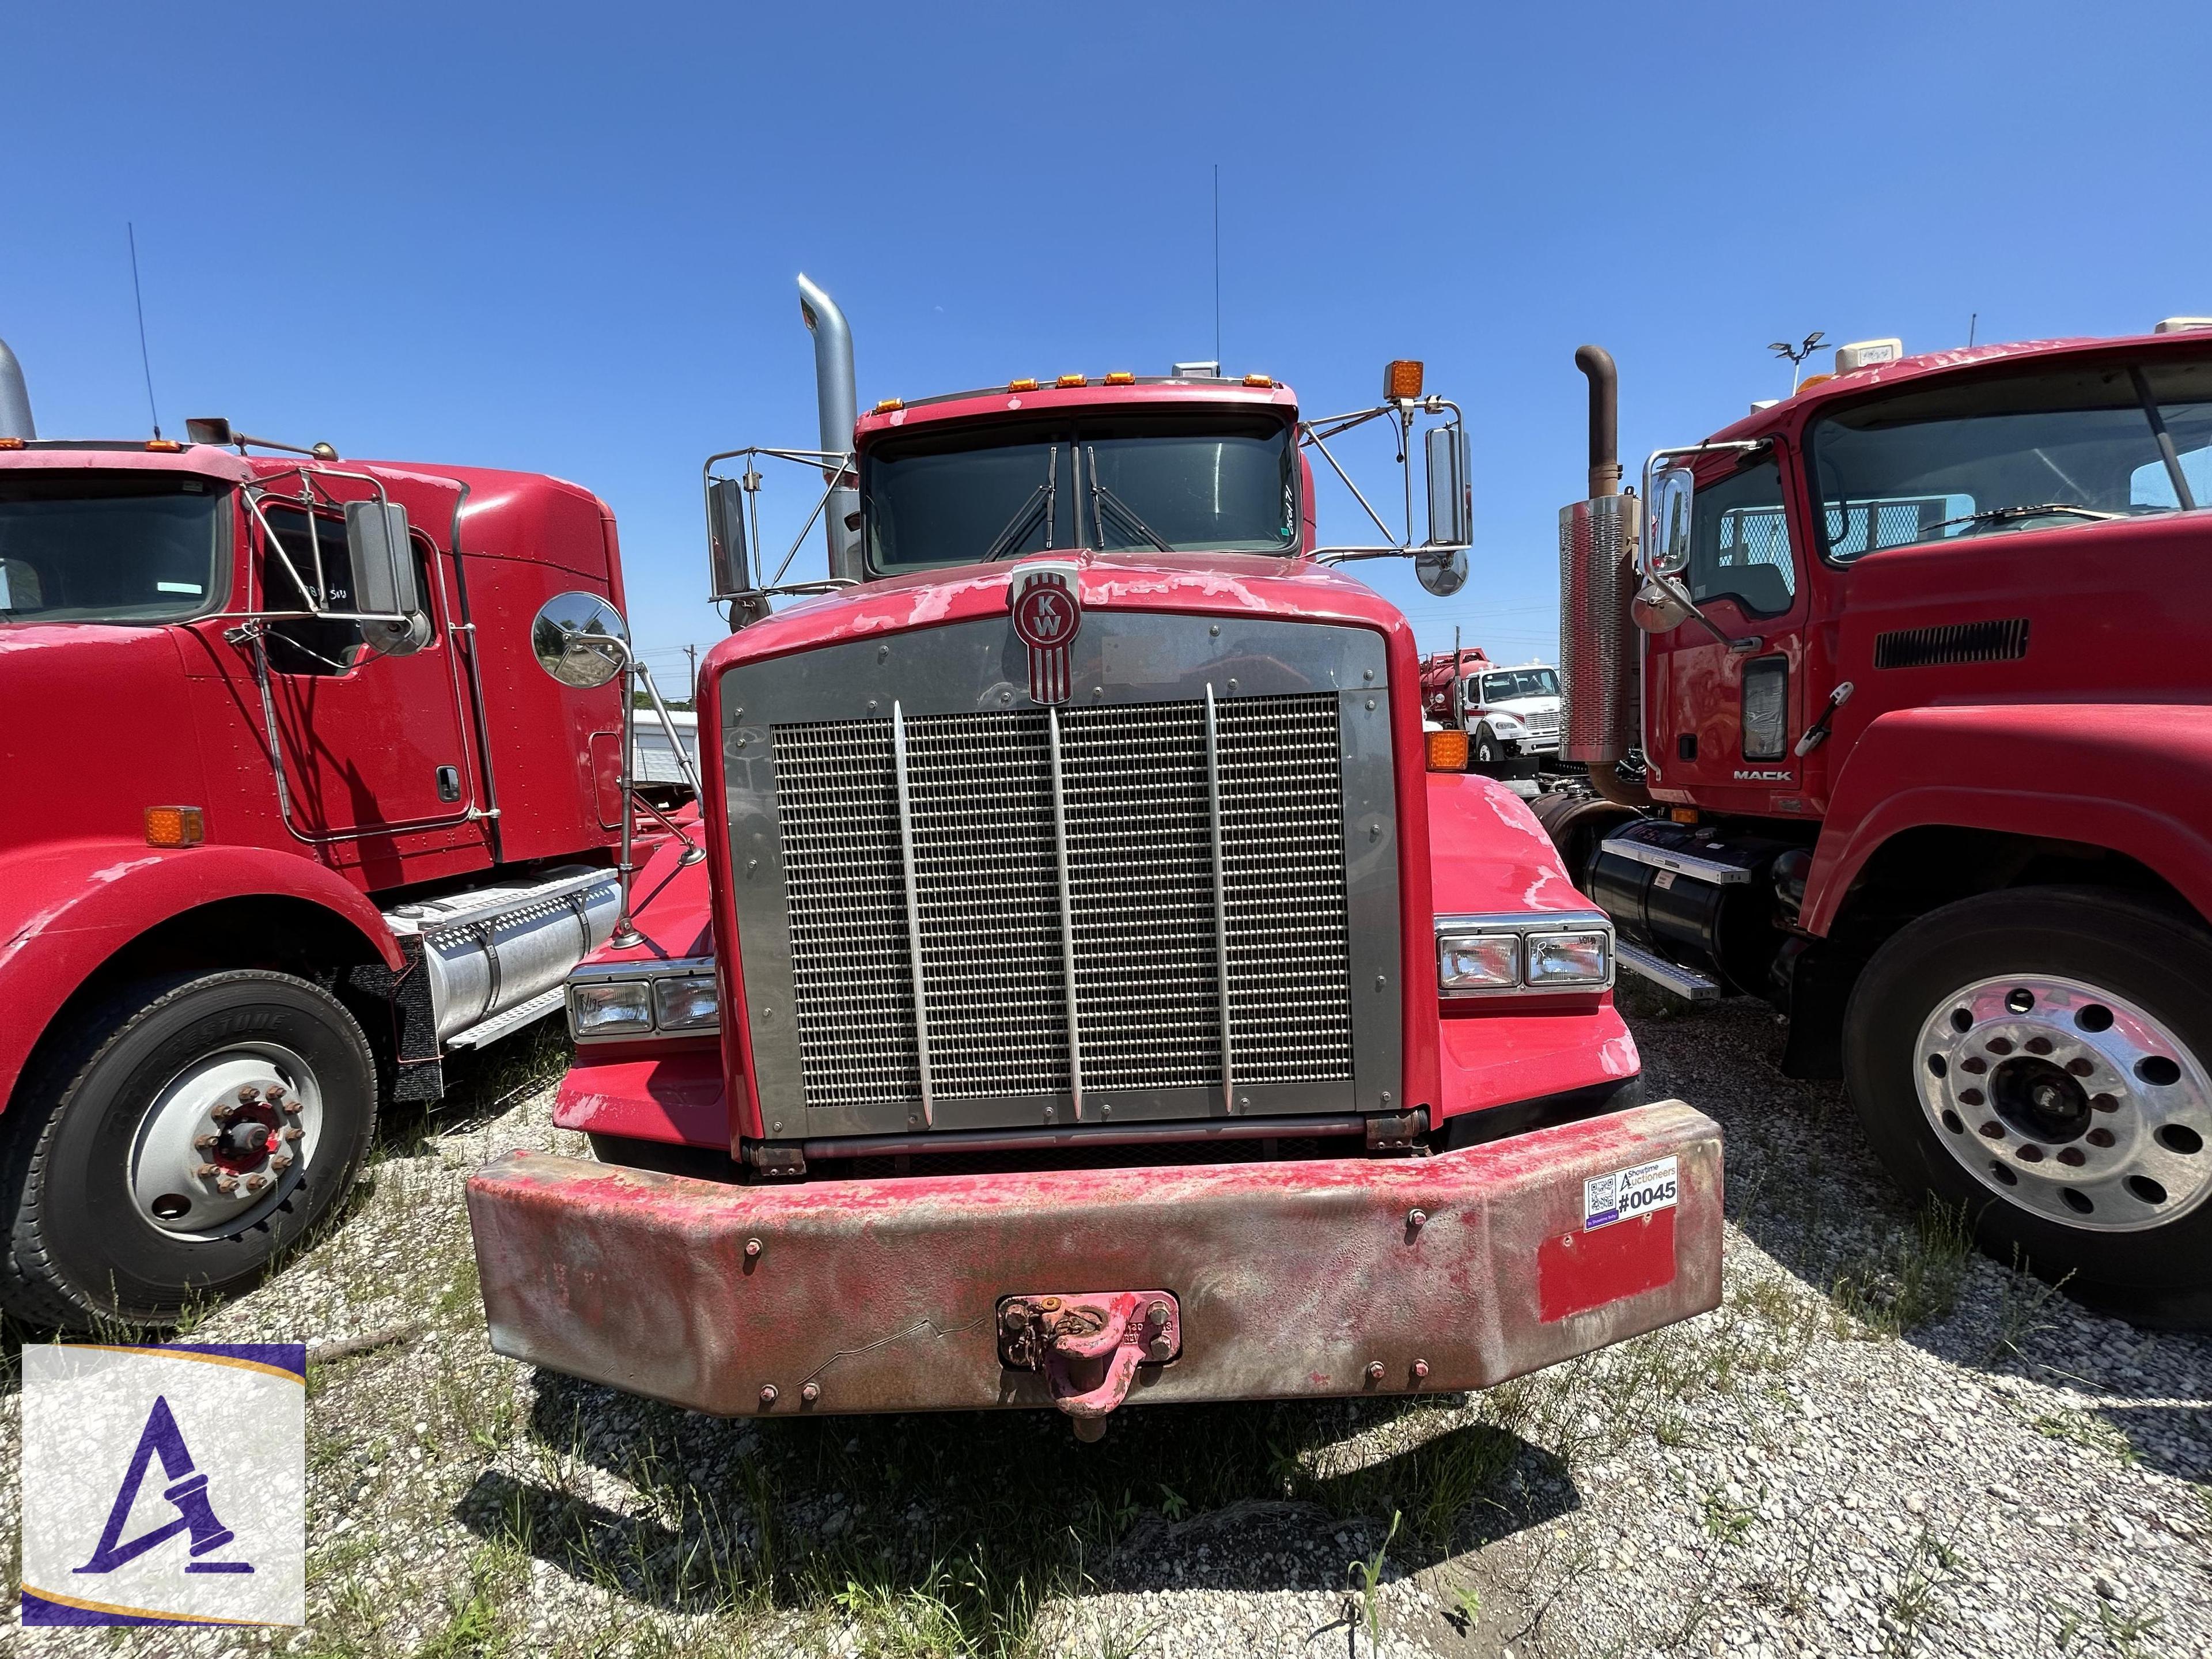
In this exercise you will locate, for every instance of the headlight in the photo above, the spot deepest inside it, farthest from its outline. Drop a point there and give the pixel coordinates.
(1523, 951)
(604, 1007)
(1505, 722)
(1478, 962)
(1569, 958)
(691, 1004)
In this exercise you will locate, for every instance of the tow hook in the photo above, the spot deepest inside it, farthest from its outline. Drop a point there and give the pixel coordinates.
(1089, 1345)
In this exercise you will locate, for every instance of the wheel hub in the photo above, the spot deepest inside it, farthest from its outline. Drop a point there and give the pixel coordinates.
(2069, 1101)
(226, 1140)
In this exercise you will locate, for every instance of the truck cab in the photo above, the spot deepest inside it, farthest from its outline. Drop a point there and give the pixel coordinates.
(1086, 970)
(309, 816)
(1909, 670)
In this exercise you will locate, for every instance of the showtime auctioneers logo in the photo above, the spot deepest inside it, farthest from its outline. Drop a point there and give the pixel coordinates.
(164, 1486)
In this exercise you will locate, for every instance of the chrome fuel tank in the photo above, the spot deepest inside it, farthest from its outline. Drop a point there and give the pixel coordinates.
(492, 952)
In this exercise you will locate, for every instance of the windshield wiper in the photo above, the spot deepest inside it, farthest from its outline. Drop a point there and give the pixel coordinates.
(1008, 542)
(2040, 509)
(1103, 498)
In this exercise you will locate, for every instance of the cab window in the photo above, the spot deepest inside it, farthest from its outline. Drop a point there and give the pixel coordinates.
(1739, 542)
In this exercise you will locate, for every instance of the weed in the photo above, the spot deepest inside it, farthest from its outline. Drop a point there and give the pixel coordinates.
(1912, 1279)
(2021, 1299)
(2080, 1429)
(2124, 1634)
(1727, 1522)
(475, 1626)
(1933, 1564)
(1172, 1503)
(1366, 1578)
(1466, 1609)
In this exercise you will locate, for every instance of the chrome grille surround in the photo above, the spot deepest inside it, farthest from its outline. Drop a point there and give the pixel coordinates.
(1217, 796)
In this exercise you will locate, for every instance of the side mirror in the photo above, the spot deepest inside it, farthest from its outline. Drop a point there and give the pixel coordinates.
(385, 579)
(1667, 514)
(1659, 607)
(579, 640)
(729, 544)
(1441, 573)
(1451, 491)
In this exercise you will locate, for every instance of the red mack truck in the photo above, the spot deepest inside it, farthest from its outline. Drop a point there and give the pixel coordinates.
(296, 813)
(1090, 995)
(1910, 673)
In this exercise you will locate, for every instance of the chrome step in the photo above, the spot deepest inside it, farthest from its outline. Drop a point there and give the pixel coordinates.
(1685, 982)
(513, 1020)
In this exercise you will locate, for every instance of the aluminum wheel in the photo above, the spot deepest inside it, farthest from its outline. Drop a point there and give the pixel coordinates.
(2069, 1101)
(226, 1140)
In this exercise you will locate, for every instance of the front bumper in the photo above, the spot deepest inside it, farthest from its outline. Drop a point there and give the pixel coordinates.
(1296, 1280)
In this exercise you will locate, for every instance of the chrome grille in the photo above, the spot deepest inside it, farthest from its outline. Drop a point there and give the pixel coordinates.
(1137, 927)
(846, 888)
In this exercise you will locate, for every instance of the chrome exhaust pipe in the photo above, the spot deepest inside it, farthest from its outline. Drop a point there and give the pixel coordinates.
(14, 399)
(838, 399)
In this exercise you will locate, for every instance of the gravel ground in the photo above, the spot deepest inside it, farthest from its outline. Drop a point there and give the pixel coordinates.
(1879, 1445)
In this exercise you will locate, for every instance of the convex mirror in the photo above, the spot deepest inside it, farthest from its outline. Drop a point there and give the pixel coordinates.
(579, 640)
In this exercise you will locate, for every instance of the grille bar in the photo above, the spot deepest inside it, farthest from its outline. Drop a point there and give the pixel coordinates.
(1067, 919)
(1221, 903)
(900, 772)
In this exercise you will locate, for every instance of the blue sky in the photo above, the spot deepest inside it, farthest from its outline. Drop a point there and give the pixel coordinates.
(565, 239)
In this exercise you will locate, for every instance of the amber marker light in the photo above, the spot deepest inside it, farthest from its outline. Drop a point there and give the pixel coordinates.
(165, 446)
(886, 405)
(1027, 383)
(1263, 381)
(1121, 377)
(1069, 380)
(1447, 751)
(1402, 379)
(11, 443)
(175, 826)
(1684, 814)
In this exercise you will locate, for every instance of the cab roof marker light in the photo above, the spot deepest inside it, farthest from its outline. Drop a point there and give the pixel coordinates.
(1067, 381)
(1026, 383)
(11, 443)
(886, 405)
(1121, 377)
(165, 446)
(1265, 382)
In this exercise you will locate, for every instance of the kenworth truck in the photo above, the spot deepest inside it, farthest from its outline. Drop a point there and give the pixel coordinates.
(293, 812)
(1912, 674)
(1090, 996)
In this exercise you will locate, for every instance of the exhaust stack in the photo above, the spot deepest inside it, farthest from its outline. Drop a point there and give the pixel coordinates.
(14, 399)
(836, 396)
(1597, 546)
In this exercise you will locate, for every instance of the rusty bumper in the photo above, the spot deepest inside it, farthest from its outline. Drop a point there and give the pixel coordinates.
(1294, 1280)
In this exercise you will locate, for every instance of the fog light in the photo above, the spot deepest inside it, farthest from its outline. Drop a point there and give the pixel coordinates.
(609, 1007)
(1478, 962)
(1569, 958)
(687, 1005)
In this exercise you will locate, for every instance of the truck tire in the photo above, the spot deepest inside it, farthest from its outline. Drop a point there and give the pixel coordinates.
(1483, 748)
(2044, 1056)
(105, 1213)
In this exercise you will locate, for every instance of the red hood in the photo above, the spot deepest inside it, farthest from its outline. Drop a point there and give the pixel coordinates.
(1215, 583)
(74, 736)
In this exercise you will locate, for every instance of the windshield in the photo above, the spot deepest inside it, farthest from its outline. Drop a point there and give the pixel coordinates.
(1180, 484)
(2032, 452)
(1520, 683)
(125, 547)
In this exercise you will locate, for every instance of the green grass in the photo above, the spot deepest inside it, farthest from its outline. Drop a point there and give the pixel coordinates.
(1912, 1277)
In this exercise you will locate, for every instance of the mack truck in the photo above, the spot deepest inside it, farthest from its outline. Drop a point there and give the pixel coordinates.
(1090, 995)
(308, 790)
(1896, 697)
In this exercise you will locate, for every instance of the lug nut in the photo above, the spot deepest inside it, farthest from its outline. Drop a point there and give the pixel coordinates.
(226, 1184)
(1374, 1371)
(768, 1393)
(248, 1095)
(206, 1143)
(752, 1250)
(292, 1106)
(281, 1163)
(275, 1093)
(255, 1183)
(224, 1113)
(206, 1169)
(1420, 1370)
(810, 1393)
(1417, 1218)
(293, 1132)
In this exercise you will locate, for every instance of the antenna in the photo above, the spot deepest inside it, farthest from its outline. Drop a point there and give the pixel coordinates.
(139, 299)
(1973, 322)
(1217, 267)
(1797, 354)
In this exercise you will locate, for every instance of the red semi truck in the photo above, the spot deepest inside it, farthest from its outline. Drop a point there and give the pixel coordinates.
(1090, 995)
(295, 813)
(1910, 673)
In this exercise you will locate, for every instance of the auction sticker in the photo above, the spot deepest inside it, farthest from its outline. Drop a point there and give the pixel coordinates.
(1610, 1198)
